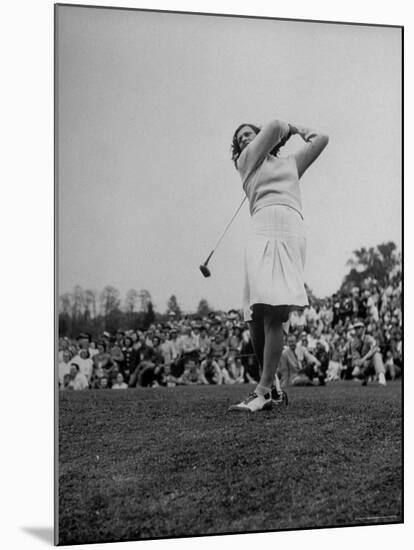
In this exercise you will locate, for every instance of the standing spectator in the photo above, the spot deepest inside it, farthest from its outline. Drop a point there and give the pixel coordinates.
(128, 365)
(204, 343)
(189, 344)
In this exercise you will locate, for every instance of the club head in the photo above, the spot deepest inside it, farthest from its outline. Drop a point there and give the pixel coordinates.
(205, 270)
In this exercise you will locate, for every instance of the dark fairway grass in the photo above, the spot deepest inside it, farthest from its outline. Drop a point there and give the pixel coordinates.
(166, 462)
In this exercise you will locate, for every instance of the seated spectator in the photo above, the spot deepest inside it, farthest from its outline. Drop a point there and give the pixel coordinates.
(103, 384)
(85, 362)
(295, 369)
(234, 343)
(191, 374)
(219, 348)
(64, 365)
(119, 338)
(334, 371)
(97, 374)
(119, 383)
(63, 346)
(116, 355)
(84, 342)
(157, 356)
(323, 357)
(366, 356)
(66, 382)
(392, 371)
(249, 360)
(165, 378)
(143, 375)
(236, 370)
(225, 377)
(210, 371)
(78, 380)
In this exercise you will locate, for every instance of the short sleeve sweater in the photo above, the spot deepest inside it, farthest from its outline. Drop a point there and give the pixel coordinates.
(274, 181)
(269, 180)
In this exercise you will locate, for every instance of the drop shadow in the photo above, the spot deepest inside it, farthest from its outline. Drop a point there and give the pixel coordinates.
(43, 533)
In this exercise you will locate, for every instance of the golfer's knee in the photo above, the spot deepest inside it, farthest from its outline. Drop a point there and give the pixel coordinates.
(275, 315)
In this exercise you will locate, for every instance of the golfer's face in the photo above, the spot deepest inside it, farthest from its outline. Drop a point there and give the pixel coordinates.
(244, 136)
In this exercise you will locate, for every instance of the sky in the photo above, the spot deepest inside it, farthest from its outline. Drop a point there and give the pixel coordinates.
(147, 104)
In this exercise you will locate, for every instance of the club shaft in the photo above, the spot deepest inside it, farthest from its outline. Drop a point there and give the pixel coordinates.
(227, 226)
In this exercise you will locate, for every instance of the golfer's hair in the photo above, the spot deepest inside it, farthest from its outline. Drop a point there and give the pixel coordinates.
(235, 147)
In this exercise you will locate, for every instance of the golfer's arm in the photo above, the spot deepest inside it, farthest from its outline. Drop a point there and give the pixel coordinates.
(269, 136)
(308, 153)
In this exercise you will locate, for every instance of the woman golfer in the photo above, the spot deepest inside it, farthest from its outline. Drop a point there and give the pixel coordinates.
(275, 251)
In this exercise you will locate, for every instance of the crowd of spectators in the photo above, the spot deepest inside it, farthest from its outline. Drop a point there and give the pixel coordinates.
(217, 349)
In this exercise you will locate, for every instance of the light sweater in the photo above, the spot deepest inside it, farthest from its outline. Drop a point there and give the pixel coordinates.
(269, 180)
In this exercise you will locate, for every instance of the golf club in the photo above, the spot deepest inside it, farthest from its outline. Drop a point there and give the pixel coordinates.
(203, 267)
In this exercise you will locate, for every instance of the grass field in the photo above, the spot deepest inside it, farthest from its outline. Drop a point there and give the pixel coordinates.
(168, 462)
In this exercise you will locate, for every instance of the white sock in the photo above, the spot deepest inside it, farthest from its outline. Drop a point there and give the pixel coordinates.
(381, 378)
(262, 390)
(277, 384)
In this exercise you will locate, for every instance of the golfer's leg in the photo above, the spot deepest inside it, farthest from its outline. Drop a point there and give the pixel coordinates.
(256, 328)
(273, 332)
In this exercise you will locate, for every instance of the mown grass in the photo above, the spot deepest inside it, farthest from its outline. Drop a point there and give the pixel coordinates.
(169, 462)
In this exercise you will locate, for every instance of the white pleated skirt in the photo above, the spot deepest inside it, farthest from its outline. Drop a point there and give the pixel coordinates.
(275, 260)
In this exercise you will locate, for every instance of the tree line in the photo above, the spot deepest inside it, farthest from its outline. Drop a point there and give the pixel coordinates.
(85, 310)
